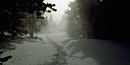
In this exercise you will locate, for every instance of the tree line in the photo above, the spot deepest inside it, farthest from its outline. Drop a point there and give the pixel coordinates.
(18, 17)
(99, 19)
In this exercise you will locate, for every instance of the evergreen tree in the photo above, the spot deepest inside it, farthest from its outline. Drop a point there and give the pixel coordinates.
(14, 12)
(82, 17)
(100, 19)
(74, 24)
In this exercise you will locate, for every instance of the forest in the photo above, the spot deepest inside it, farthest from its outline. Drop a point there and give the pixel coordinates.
(18, 17)
(91, 19)
(99, 19)
(91, 32)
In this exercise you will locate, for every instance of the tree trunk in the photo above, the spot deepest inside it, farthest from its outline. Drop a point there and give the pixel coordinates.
(31, 27)
(31, 30)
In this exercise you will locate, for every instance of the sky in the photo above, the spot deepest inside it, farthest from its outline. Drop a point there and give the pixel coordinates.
(61, 6)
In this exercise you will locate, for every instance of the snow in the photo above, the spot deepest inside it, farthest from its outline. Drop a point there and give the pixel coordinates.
(58, 49)
(30, 52)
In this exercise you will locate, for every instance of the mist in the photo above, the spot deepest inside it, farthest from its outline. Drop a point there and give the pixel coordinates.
(64, 32)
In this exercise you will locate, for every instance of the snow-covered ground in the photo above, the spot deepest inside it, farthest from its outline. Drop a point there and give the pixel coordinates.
(58, 49)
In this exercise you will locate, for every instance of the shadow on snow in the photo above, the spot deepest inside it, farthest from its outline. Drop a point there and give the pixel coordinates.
(105, 52)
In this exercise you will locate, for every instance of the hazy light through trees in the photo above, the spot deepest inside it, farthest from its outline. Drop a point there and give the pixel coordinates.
(61, 6)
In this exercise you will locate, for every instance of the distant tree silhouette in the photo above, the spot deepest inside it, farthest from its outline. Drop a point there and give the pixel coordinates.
(51, 24)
